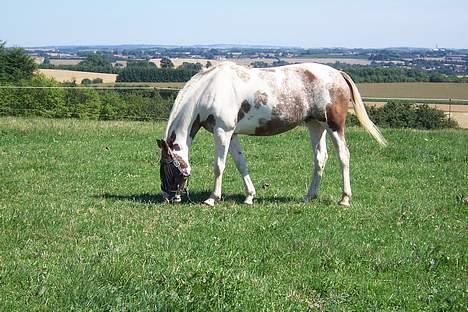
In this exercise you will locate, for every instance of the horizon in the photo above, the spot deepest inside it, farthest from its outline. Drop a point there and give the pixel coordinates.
(235, 45)
(360, 24)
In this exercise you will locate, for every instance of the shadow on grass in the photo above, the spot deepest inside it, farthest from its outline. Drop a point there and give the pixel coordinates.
(195, 197)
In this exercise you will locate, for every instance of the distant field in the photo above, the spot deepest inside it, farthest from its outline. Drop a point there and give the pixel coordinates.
(83, 226)
(328, 60)
(247, 61)
(424, 90)
(65, 61)
(70, 75)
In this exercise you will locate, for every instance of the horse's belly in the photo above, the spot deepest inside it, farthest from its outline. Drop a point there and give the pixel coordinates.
(264, 124)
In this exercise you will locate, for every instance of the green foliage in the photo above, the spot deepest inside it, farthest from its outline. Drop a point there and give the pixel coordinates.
(83, 226)
(145, 74)
(141, 64)
(166, 63)
(362, 74)
(86, 81)
(97, 80)
(396, 114)
(83, 103)
(15, 65)
(33, 102)
(196, 67)
(96, 60)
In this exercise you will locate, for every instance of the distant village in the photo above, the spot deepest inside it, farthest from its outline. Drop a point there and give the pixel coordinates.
(440, 60)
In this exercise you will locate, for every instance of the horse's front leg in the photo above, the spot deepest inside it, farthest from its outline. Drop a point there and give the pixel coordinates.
(222, 139)
(236, 152)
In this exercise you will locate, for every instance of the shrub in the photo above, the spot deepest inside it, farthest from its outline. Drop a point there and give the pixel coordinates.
(397, 114)
(86, 81)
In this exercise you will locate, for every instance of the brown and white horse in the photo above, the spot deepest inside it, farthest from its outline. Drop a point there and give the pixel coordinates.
(229, 99)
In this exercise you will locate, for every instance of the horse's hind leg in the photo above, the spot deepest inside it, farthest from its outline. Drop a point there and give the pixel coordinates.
(319, 147)
(236, 152)
(343, 156)
(222, 139)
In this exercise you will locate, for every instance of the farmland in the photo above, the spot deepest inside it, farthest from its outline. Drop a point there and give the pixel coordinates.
(424, 90)
(245, 61)
(83, 228)
(62, 75)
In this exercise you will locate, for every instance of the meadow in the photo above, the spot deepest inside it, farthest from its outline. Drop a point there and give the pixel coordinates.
(83, 228)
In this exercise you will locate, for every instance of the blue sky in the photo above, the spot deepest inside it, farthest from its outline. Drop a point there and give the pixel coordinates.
(309, 24)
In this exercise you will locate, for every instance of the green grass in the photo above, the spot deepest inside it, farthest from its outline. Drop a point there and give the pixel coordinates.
(82, 226)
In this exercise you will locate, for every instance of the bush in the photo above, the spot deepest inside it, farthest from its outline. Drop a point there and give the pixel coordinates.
(86, 81)
(85, 103)
(397, 114)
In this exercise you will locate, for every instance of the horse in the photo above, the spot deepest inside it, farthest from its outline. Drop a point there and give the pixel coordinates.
(230, 100)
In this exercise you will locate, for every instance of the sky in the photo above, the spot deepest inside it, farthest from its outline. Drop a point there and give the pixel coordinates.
(300, 23)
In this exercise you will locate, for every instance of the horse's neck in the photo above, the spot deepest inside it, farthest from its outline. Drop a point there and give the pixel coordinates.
(178, 132)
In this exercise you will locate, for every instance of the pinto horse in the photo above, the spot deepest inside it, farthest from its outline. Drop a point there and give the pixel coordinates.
(229, 100)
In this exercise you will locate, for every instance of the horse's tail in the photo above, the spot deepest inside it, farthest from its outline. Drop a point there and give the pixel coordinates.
(361, 113)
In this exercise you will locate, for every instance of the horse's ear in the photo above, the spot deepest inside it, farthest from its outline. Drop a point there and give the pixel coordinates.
(159, 143)
(163, 145)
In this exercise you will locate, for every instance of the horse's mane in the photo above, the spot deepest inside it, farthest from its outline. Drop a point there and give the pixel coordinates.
(190, 86)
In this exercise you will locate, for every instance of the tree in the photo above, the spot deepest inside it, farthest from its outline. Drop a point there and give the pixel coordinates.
(96, 59)
(15, 64)
(166, 63)
(191, 66)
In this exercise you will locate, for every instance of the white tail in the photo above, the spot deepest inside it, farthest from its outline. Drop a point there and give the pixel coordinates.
(361, 113)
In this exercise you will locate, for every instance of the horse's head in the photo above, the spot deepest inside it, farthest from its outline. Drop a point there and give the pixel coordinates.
(174, 173)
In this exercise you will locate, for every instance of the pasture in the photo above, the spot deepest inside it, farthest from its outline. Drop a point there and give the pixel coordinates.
(82, 226)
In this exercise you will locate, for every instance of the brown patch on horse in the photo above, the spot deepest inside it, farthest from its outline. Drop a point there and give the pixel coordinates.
(337, 109)
(171, 140)
(309, 77)
(209, 123)
(196, 125)
(244, 109)
(285, 116)
(273, 126)
(260, 98)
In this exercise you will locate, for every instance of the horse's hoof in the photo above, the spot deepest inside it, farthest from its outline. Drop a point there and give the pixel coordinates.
(249, 200)
(344, 201)
(210, 202)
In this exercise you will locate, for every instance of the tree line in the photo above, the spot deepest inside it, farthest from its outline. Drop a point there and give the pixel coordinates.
(17, 75)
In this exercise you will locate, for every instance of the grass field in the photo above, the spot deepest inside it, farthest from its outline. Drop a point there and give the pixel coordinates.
(82, 226)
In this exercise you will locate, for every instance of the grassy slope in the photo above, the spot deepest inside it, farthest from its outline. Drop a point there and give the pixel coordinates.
(82, 227)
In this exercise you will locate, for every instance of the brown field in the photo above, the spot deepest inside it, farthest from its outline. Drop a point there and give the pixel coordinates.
(320, 60)
(70, 75)
(422, 90)
(64, 62)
